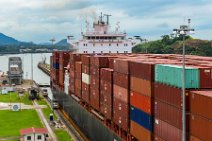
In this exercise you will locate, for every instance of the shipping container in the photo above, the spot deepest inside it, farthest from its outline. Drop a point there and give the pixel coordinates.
(139, 132)
(121, 113)
(201, 127)
(85, 92)
(142, 102)
(172, 75)
(85, 69)
(200, 101)
(100, 61)
(106, 74)
(106, 87)
(205, 77)
(106, 110)
(166, 131)
(141, 86)
(85, 60)
(121, 79)
(94, 98)
(156, 138)
(94, 71)
(121, 66)
(141, 118)
(121, 93)
(144, 70)
(170, 95)
(170, 114)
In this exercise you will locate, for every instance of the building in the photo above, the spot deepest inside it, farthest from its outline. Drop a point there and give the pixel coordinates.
(15, 72)
(33, 134)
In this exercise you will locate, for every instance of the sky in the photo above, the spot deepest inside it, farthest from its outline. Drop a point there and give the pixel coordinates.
(41, 20)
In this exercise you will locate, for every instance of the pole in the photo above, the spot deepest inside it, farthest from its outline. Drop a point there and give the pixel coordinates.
(32, 66)
(183, 94)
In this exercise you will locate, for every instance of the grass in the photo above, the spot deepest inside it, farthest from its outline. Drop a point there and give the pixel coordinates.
(13, 97)
(46, 111)
(11, 122)
(62, 135)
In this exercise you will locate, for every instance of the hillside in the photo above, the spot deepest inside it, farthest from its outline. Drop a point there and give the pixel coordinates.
(169, 45)
(62, 43)
(5, 40)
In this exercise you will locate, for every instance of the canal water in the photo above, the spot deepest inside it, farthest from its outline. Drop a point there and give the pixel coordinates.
(28, 67)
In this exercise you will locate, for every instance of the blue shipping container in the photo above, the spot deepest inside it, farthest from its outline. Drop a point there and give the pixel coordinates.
(56, 65)
(142, 118)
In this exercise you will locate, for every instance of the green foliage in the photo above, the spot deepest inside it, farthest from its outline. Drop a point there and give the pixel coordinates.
(173, 45)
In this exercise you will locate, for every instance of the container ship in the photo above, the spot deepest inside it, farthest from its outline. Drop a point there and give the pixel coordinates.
(112, 94)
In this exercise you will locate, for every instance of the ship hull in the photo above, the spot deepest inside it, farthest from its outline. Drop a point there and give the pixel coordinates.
(91, 126)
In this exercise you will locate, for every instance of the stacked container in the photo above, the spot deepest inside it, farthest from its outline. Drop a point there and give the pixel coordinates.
(121, 83)
(97, 62)
(78, 79)
(141, 99)
(168, 100)
(73, 58)
(55, 67)
(201, 115)
(106, 92)
(63, 61)
(86, 78)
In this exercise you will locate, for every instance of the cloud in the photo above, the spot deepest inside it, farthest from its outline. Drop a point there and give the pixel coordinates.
(40, 20)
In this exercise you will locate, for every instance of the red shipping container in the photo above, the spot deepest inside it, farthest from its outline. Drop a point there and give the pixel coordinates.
(78, 66)
(141, 86)
(85, 69)
(139, 132)
(85, 60)
(142, 102)
(156, 138)
(205, 77)
(78, 84)
(106, 74)
(106, 110)
(78, 92)
(121, 79)
(200, 101)
(121, 113)
(100, 61)
(142, 70)
(94, 71)
(85, 92)
(121, 93)
(61, 77)
(170, 95)
(169, 114)
(166, 131)
(201, 127)
(106, 87)
(74, 57)
(94, 82)
(106, 98)
(94, 98)
(122, 66)
(111, 63)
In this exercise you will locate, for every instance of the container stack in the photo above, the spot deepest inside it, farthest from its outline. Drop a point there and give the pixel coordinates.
(201, 115)
(106, 92)
(121, 83)
(73, 58)
(168, 99)
(86, 78)
(51, 69)
(78, 79)
(63, 61)
(141, 100)
(97, 62)
(55, 67)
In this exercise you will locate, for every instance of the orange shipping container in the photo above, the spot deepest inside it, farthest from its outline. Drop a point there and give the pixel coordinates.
(141, 86)
(139, 132)
(141, 102)
(193, 138)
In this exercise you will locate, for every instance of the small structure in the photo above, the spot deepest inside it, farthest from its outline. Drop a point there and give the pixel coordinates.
(15, 72)
(33, 134)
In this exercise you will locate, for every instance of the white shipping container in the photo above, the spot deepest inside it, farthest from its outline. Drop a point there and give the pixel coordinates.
(86, 78)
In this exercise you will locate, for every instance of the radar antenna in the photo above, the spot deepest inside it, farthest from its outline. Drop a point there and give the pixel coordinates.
(108, 16)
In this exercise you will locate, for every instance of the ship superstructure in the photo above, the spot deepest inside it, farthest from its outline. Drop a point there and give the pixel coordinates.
(101, 40)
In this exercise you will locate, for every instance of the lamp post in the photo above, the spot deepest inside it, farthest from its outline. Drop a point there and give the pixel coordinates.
(183, 31)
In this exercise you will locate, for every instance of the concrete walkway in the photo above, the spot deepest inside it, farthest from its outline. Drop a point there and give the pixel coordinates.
(7, 106)
(45, 122)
